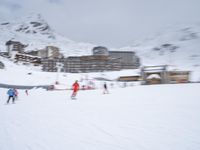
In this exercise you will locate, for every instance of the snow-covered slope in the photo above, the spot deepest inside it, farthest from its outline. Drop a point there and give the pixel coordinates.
(35, 31)
(146, 118)
(178, 46)
(17, 74)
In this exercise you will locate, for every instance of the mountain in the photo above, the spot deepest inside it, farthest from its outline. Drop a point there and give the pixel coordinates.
(178, 46)
(35, 31)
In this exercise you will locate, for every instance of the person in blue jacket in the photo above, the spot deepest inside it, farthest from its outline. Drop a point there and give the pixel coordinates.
(11, 94)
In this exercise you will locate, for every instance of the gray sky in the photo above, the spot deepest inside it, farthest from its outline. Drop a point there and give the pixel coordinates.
(112, 23)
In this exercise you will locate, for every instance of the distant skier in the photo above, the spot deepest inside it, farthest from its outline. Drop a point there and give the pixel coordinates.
(26, 91)
(75, 88)
(16, 94)
(11, 94)
(105, 91)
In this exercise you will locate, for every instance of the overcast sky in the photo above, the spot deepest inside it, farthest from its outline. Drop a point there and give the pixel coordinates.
(112, 23)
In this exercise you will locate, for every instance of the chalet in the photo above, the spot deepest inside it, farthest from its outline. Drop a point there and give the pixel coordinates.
(179, 76)
(153, 79)
(158, 73)
(129, 78)
(162, 75)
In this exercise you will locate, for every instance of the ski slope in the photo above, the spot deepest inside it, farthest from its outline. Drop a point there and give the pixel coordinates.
(157, 117)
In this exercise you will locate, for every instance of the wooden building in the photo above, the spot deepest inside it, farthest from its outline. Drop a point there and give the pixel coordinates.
(153, 79)
(179, 76)
(129, 78)
(159, 71)
(161, 75)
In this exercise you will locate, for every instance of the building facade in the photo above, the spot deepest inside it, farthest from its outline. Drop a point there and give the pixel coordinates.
(82, 64)
(128, 59)
(101, 60)
(100, 50)
(162, 75)
(14, 47)
(50, 52)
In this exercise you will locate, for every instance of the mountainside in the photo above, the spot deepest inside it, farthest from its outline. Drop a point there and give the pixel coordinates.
(178, 46)
(35, 31)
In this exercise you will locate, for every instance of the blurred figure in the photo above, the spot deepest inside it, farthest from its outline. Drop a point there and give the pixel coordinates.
(11, 94)
(16, 93)
(105, 88)
(26, 91)
(75, 88)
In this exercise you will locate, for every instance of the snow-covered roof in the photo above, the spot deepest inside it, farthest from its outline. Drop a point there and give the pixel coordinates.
(153, 76)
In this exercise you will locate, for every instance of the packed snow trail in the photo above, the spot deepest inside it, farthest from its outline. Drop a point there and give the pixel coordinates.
(140, 117)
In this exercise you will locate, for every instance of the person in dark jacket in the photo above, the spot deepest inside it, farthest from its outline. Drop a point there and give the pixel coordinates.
(11, 94)
(105, 91)
(26, 91)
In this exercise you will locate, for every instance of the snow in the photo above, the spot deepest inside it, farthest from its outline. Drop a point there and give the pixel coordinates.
(153, 76)
(139, 117)
(18, 74)
(182, 50)
(133, 117)
(38, 37)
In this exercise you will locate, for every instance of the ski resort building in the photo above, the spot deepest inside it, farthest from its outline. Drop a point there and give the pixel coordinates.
(162, 75)
(128, 59)
(14, 47)
(129, 78)
(179, 76)
(48, 52)
(25, 58)
(77, 64)
(101, 60)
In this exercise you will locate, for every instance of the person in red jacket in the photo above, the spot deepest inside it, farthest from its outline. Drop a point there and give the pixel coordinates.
(75, 88)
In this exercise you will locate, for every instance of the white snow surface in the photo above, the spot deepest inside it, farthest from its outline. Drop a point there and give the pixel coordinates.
(139, 117)
(135, 117)
(18, 74)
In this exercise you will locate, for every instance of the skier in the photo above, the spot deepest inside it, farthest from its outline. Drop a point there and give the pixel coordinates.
(26, 91)
(11, 94)
(16, 94)
(75, 88)
(105, 91)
